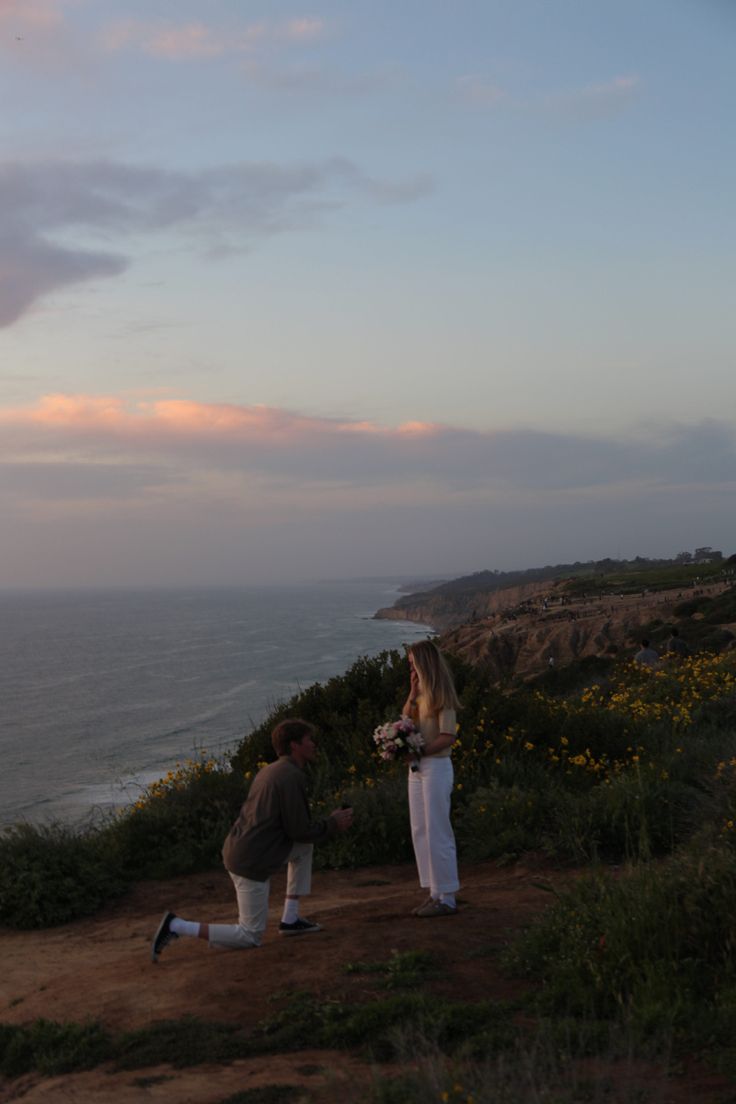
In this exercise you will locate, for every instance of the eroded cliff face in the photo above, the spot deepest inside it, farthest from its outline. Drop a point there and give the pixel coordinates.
(530, 645)
(524, 640)
(448, 611)
(522, 631)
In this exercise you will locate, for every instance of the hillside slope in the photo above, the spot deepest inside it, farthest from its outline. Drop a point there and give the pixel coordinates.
(99, 969)
(532, 629)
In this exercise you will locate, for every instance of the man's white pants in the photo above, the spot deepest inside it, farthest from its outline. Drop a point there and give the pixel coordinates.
(253, 902)
(430, 791)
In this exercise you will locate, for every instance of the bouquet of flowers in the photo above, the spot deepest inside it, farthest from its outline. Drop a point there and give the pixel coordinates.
(398, 740)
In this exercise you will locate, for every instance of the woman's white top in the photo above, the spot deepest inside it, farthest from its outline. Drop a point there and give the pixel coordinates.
(432, 724)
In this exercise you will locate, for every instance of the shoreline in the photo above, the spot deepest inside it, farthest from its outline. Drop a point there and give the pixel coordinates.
(150, 682)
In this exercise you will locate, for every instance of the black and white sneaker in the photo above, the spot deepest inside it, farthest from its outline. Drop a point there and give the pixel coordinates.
(299, 927)
(163, 936)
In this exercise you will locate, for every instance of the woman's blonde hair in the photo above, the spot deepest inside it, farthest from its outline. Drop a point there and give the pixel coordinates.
(438, 689)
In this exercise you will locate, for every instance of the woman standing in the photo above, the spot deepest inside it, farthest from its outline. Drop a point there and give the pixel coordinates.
(432, 705)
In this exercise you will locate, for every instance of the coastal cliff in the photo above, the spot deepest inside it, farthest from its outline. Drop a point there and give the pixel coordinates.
(529, 644)
(522, 631)
(445, 610)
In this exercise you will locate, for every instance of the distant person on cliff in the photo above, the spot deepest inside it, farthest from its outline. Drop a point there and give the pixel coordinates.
(432, 705)
(273, 829)
(647, 655)
(676, 646)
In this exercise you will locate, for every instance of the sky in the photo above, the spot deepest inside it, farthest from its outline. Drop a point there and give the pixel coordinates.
(363, 288)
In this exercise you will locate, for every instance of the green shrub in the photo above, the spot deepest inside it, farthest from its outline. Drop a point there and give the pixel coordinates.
(345, 709)
(636, 816)
(179, 823)
(650, 946)
(380, 831)
(52, 874)
(52, 1048)
(626, 764)
(500, 821)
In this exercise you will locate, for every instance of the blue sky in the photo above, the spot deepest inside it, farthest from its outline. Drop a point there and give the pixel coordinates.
(355, 288)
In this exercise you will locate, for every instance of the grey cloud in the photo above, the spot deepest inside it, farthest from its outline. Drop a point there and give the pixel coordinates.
(403, 192)
(224, 210)
(552, 498)
(80, 481)
(208, 540)
(464, 459)
(30, 267)
(286, 448)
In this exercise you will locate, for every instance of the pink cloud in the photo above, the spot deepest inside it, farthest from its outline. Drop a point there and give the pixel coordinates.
(35, 34)
(187, 438)
(189, 41)
(196, 40)
(163, 418)
(416, 429)
(78, 411)
(305, 29)
(93, 414)
(38, 15)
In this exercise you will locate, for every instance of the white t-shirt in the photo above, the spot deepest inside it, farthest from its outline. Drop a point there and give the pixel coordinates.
(432, 724)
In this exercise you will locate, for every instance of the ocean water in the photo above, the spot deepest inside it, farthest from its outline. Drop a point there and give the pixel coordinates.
(102, 692)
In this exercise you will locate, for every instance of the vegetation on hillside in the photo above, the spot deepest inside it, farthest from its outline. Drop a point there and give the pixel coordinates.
(620, 764)
(605, 762)
(606, 576)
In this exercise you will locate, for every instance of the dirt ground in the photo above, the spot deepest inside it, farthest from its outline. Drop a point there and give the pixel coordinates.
(100, 969)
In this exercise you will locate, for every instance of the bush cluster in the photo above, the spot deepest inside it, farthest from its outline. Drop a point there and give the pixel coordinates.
(652, 944)
(615, 763)
(49, 875)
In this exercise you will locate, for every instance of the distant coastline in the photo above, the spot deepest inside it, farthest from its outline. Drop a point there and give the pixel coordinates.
(105, 691)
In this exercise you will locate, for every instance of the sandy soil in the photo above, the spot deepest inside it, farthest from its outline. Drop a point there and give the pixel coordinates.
(100, 969)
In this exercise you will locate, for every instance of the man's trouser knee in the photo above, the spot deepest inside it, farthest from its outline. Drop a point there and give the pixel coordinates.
(299, 870)
(252, 916)
(253, 901)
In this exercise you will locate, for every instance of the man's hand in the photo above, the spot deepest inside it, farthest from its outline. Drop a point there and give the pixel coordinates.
(343, 818)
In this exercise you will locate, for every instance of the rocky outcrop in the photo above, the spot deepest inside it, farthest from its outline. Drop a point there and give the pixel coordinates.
(524, 639)
(527, 647)
(444, 611)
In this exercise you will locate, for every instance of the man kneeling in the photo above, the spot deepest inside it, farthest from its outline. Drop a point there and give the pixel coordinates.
(273, 828)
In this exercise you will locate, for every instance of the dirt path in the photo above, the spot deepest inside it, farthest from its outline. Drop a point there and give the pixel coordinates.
(99, 969)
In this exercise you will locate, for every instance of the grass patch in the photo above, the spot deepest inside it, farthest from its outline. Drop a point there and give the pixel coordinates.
(654, 948)
(52, 1048)
(181, 1043)
(403, 970)
(539, 1066)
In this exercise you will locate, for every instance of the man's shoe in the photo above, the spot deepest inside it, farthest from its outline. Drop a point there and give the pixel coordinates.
(418, 909)
(436, 908)
(299, 927)
(163, 936)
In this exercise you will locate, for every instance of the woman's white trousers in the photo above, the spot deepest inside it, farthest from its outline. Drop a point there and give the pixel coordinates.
(430, 792)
